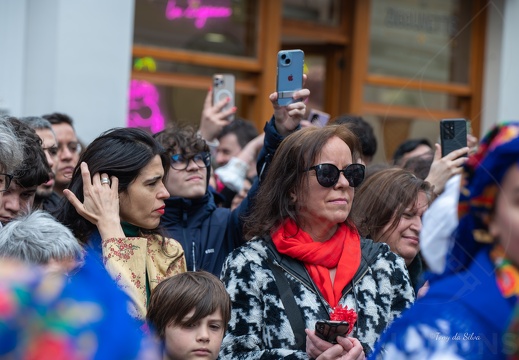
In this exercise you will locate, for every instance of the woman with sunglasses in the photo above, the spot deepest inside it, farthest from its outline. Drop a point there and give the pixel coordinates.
(209, 233)
(116, 199)
(306, 261)
(388, 208)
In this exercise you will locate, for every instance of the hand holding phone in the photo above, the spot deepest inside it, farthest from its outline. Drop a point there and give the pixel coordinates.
(289, 75)
(223, 88)
(328, 330)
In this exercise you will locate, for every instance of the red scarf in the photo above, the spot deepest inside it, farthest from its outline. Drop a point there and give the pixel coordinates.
(341, 251)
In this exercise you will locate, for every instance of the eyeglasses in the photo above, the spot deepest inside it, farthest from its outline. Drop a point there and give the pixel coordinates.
(74, 147)
(5, 181)
(328, 174)
(53, 150)
(181, 162)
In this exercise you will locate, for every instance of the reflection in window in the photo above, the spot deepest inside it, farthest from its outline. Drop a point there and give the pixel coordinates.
(426, 39)
(411, 98)
(214, 26)
(324, 12)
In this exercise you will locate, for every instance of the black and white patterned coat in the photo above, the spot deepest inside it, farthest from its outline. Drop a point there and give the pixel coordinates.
(259, 327)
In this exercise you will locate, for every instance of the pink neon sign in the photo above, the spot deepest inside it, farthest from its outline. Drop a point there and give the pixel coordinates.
(195, 10)
(144, 106)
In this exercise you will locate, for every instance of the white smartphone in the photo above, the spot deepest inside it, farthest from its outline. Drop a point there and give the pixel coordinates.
(223, 88)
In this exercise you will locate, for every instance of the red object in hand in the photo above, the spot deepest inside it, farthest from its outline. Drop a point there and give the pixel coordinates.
(341, 313)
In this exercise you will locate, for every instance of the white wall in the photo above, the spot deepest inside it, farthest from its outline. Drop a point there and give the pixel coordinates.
(75, 59)
(501, 77)
(12, 47)
(509, 87)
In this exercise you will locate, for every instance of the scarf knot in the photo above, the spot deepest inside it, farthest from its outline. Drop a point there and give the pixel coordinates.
(341, 252)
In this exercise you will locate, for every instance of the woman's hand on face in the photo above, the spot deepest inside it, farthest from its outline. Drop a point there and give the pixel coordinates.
(288, 117)
(345, 349)
(101, 203)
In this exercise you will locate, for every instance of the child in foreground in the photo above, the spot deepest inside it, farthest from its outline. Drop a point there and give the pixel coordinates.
(190, 313)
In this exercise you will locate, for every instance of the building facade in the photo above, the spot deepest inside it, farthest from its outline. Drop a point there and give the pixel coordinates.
(402, 64)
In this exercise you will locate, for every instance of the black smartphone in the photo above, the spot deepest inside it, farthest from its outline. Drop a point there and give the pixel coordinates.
(453, 135)
(328, 330)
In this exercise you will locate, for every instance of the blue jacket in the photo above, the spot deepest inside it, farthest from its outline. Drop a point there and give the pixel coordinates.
(206, 232)
(463, 314)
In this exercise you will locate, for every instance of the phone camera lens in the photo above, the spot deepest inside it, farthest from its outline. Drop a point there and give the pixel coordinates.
(283, 56)
(287, 61)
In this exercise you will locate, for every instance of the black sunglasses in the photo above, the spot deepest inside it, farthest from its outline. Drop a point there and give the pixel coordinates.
(328, 174)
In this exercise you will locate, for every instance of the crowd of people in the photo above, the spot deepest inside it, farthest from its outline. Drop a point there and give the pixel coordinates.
(221, 242)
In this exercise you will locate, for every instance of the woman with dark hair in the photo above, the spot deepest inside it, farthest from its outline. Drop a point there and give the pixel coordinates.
(305, 260)
(388, 208)
(116, 211)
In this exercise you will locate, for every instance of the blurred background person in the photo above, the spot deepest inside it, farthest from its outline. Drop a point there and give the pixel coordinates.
(11, 153)
(364, 132)
(38, 239)
(46, 199)
(234, 179)
(69, 149)
(232, 139)
(18, 200)
(75, 317)
(411, 148)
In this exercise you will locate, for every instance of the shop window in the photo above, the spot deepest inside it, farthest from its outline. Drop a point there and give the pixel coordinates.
(153, 106)
(225, 27)
(423, 40)
(324, 12)
(410, 98)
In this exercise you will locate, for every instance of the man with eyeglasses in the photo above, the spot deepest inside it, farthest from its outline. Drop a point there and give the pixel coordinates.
(69, 149)
(207, 233)
(46, 199)
(18, 199)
